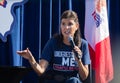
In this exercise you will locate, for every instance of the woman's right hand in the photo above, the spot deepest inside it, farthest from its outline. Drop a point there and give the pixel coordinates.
(25, 53)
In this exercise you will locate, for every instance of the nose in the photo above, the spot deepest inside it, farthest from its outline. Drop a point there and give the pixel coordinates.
(67, 27)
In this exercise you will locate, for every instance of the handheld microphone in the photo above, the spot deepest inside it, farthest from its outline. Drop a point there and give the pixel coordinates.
(70, 39)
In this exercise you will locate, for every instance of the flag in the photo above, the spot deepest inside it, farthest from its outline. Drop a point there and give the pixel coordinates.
(97, 35)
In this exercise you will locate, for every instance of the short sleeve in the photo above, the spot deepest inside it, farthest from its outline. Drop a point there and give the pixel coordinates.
(85, 51)
(47, 51)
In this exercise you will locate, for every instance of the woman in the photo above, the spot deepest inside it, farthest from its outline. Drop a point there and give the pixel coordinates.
(69, 63)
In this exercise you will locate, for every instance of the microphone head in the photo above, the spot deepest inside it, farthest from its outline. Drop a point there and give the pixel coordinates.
(70, 38)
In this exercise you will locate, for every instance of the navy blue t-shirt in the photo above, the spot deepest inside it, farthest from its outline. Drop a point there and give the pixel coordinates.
(61, 58)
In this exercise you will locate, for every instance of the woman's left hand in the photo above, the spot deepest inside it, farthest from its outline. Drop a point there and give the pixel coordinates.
(77, 51)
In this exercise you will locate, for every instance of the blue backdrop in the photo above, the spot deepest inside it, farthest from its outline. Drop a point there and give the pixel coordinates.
(38, 20)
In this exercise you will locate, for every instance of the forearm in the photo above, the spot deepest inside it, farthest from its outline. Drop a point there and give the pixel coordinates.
(37, 68)
(83, 70)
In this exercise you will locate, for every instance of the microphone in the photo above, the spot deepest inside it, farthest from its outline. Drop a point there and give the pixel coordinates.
(70, 39)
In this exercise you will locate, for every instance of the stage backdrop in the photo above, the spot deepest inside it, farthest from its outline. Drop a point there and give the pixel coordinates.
(35, 21)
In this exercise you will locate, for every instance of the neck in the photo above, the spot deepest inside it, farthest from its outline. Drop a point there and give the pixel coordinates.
(65, 41)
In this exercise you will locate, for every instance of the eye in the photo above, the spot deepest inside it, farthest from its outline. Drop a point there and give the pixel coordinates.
(63, 23)
(70, 24)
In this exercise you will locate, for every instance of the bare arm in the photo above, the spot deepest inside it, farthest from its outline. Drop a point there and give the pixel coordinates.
(40, 67)
(83, 69)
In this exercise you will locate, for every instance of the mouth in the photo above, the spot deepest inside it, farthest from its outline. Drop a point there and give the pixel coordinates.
(67, 32)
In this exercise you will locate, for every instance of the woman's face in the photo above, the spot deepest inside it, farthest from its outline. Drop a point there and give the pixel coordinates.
(68, 27)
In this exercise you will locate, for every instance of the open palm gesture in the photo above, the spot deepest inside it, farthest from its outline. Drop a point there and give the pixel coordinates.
(25, 53)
